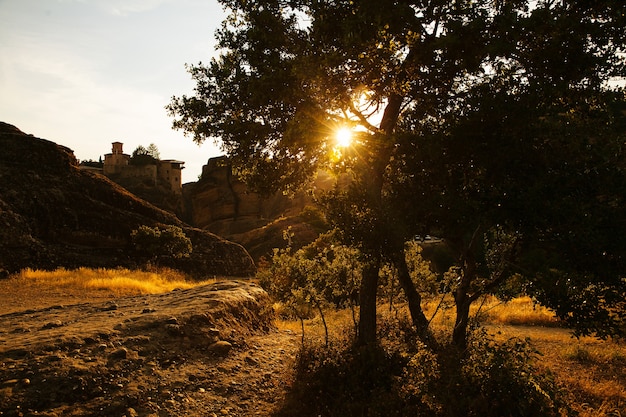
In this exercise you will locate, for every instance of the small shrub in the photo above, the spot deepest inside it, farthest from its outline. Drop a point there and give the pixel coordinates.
(320, 275)
(314, 217)
(154, 242)
(340, 380)
(499, 379)
(580, 354)
(404, 377)
(420, 379)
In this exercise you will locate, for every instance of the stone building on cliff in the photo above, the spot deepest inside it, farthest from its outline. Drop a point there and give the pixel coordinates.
(117, 166)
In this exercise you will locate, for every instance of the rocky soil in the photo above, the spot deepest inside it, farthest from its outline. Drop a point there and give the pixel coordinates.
(207, 351)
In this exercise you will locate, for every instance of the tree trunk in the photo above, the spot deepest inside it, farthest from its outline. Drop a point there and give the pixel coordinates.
(373, 180)
(413, 297)
(463, 301)
(367, 319)
(459, 333)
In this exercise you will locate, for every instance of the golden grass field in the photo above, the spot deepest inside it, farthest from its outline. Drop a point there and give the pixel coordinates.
(34, 288)
(117, 281)
(591, 371)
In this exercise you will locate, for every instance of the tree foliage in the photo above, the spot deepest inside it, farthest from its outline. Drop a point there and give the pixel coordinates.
(321, 274)
(474, 120)
(155, 242)
(145, 156)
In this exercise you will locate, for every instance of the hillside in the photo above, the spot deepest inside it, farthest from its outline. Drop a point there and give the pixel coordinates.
(54, 215)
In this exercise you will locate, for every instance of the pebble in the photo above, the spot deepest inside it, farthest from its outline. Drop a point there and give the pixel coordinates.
(121, 353)
(21, 330)
(173, 329)
(109, 307)
(250, 360)
(53, 324)
(220, 348)
(10, 382)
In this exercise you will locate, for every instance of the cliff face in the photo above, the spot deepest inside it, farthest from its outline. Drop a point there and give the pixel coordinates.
(54, 215)
(157, 193)
(222, 204)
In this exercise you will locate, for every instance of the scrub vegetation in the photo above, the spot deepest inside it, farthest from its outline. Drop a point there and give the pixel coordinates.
(519, 361)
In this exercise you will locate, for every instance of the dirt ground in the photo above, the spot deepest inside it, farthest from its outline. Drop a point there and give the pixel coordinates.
(206, 351)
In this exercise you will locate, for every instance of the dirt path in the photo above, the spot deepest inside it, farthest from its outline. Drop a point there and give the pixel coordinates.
(205, 351)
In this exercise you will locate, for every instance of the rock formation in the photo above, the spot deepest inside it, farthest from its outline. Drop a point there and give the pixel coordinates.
(221, 203)
(54, 215)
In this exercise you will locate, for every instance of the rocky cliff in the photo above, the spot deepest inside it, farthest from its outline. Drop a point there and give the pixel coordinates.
(221, 203)
(54, 215)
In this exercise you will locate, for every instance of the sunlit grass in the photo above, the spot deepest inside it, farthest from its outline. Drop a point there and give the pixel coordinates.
(521, 311)
(117, 281)
(591, 372)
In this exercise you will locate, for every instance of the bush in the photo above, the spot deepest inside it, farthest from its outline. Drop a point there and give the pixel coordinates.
(500, 379)
(340, 380)
(153, 242)
(320, 275)
(404, 377)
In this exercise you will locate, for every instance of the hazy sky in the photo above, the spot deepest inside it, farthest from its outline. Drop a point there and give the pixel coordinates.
(85, 73)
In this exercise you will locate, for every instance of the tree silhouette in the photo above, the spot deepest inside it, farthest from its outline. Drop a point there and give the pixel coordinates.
(461, 110)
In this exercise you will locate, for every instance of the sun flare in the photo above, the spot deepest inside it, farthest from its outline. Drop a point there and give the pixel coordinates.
(343, 137)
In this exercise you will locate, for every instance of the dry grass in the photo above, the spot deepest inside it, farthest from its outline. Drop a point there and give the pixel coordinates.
(521, 311)
(33, 289)
(591, 372)
(116, 281)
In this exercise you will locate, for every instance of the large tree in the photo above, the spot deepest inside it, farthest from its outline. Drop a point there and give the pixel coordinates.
(435, 91)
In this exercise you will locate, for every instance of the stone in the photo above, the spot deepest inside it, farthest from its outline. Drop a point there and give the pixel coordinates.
(173, 329)
(52, 324)
(220, 348)
(121, 353)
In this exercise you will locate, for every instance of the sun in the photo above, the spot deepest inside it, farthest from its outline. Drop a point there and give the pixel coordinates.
(343, 137)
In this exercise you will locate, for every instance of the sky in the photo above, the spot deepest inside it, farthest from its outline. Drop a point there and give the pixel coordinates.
(86, 73)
